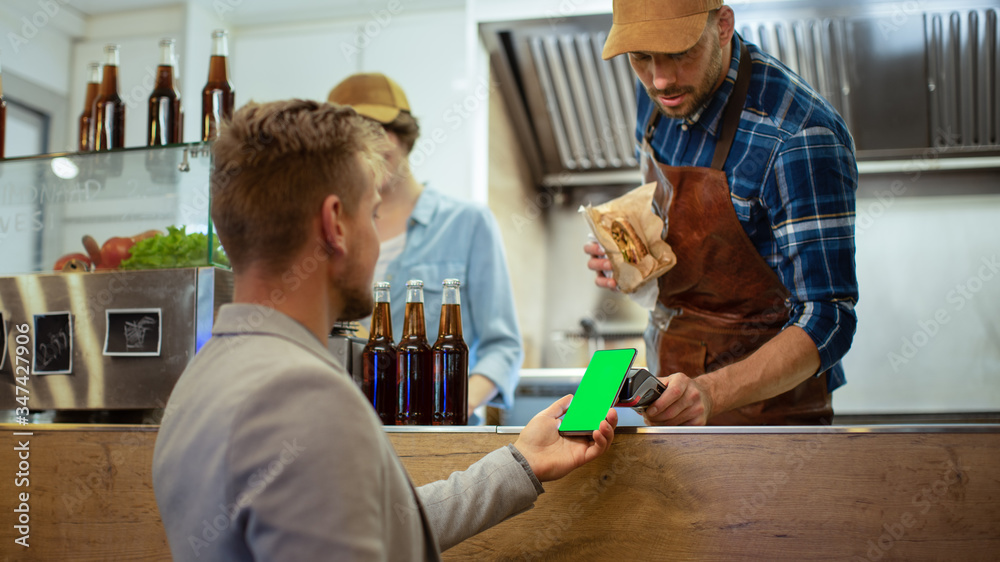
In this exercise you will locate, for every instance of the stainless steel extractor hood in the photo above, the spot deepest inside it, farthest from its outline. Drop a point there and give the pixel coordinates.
(909, 78)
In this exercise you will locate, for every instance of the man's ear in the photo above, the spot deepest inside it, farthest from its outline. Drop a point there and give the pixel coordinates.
(332, 224)
(726, 21)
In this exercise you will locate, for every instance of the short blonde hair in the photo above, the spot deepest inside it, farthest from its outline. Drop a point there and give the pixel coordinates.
(275, 163)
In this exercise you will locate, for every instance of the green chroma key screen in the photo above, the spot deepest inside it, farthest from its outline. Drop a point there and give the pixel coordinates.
(598, 390)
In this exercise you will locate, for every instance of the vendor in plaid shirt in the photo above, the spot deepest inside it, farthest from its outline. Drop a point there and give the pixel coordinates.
(751, 324)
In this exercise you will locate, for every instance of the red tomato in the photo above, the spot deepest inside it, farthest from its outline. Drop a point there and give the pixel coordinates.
(114, 251)
(78, 259)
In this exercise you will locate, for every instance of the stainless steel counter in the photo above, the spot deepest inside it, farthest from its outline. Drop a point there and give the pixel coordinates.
(729, 430)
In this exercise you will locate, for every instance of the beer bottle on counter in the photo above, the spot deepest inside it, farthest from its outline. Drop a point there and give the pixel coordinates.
(165, 115)
(3, 118)
(86, 138)
(109, 111)
(450, 359)
(218, 97)
(378, 360)
(413, 363)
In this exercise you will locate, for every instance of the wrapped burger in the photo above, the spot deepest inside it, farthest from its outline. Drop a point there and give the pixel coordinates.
(630, 234)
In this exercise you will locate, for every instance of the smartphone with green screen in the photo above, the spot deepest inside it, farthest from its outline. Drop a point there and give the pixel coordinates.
(597, 392)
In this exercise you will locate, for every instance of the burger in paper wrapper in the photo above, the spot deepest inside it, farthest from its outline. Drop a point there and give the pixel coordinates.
(630, 232)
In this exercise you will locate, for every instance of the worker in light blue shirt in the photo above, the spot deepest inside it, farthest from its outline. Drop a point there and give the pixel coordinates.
(432, 237)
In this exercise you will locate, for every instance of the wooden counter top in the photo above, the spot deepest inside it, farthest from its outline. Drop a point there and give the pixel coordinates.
(909, 493)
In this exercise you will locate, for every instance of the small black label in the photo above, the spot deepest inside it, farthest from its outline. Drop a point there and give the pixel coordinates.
(3, 346)
(54, 343)
(133, 332)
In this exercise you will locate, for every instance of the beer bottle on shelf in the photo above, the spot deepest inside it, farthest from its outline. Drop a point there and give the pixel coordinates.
(109, 111)
(218, 97)
(378, 360)
(3, 117)
(450, 358)
(165, 116)
(86, 135)
(413, 361)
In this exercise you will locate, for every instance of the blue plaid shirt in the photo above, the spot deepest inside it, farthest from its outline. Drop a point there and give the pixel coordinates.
(792, 179)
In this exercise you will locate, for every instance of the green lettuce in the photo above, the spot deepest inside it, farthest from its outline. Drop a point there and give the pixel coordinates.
(175, 249)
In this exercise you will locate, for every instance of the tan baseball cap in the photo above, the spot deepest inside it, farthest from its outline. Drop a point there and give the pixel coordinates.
(372, 95)
(657, 26)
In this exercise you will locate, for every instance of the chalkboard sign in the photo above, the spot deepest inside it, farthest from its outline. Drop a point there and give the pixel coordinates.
(53, 343)
(133, 332)
(3, 346)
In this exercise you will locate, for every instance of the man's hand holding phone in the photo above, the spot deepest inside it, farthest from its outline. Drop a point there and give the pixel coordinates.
(551, 455)
(578, 428)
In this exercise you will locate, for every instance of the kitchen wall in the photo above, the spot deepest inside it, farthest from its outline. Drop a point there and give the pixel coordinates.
(39, 52)
(521, 215)
(928, 335)
(308, 59)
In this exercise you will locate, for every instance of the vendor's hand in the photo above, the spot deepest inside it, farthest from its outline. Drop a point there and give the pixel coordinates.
(481, 391)
(684, 402)
(600, 263)
(552, 456)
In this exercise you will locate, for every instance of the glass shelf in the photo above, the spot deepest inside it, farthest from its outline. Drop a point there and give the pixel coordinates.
(49, 203)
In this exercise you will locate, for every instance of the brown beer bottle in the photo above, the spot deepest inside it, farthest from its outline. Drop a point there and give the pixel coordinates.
(450, 357)
(109, 111)
(413, 361)
(86, 139)
(3, 118)
(218, 97)
(378, 360)
(165, 116)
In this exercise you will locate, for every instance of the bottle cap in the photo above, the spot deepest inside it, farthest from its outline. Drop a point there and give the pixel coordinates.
(451, 283)
(414, 284)
(382, 285)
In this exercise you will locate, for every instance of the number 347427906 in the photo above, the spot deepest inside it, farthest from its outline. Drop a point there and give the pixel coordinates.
(22, 367)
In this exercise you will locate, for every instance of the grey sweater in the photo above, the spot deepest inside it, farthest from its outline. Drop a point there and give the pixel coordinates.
(268, 451)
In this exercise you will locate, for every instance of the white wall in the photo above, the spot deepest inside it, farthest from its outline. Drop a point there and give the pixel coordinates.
(928, 336)
(492, 10)
(425, 52)
(39, 53)
(194, 56)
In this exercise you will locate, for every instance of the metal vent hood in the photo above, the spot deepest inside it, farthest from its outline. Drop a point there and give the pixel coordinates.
(911, 79)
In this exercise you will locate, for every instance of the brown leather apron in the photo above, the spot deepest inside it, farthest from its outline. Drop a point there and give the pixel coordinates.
(722, 301)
